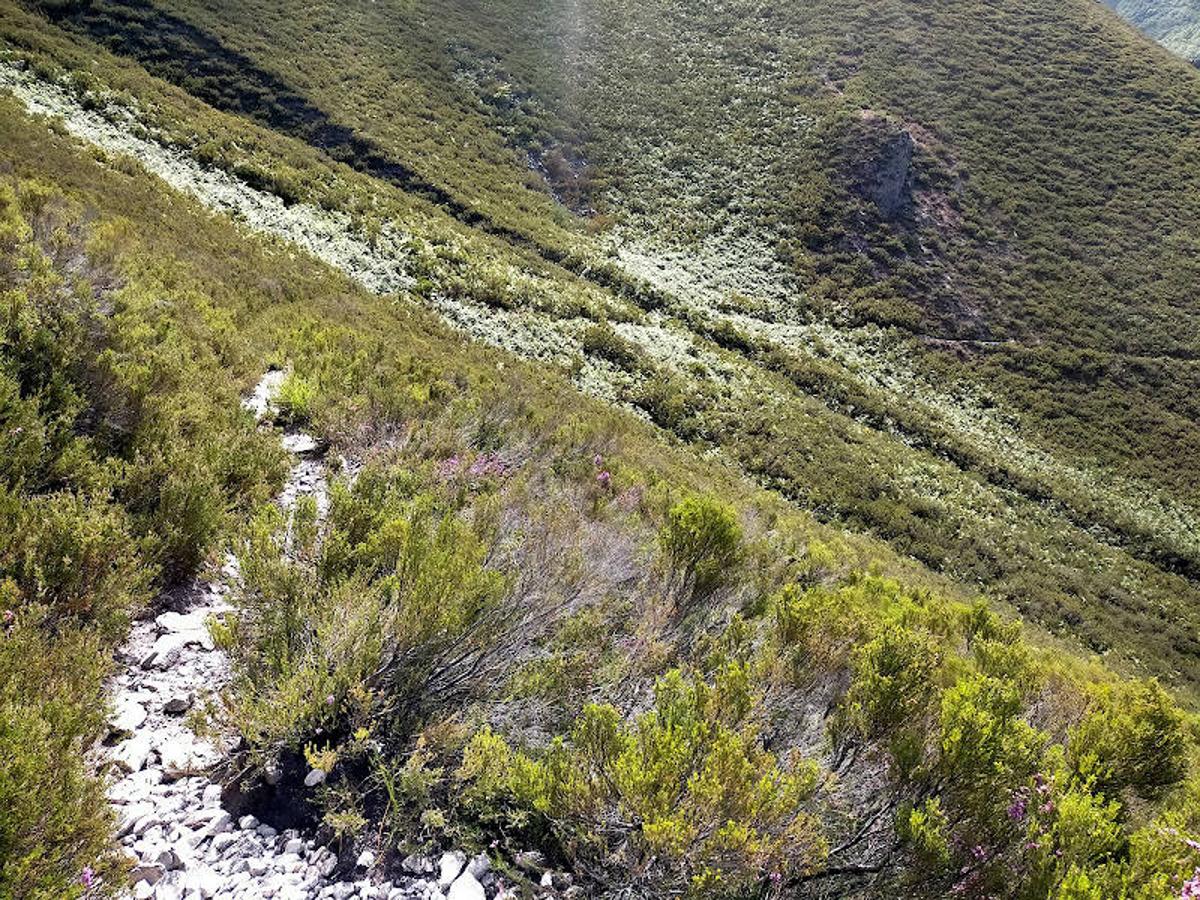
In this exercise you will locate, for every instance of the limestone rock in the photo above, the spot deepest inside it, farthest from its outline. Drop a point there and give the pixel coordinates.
(466, 887)
(450, 867)
(128, 716)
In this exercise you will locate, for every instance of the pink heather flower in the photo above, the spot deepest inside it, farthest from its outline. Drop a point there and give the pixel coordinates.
(1195, 845)
(87, 877)
(1191, 887)
(9, 617)
(604, 479)
(978, 852)
(329, 699)
(1016, 809)
(448, 468)
(776, 877)
(1047, 808)
(597, 460)
(489, 464)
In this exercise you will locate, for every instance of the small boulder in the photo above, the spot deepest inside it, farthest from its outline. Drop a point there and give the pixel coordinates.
(450, 868)
(479, 865)
(466, 887)
(178, 704)
(128, 716)
(149, 873)
(417, 864)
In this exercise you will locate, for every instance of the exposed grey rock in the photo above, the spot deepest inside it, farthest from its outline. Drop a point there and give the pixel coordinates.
(466, 887)
(479, 865)
(449, 868)
(417, 864)
(151, 873)
(366, 859)
(180, 703)
(313, 778)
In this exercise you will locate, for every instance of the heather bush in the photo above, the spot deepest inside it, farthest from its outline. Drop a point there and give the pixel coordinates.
(121, 450)
(370, 619)
(684, 794)
(701, 542)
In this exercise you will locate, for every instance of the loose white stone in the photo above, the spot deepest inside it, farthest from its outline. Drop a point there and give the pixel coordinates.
(128, 715)
(450, 867)
(366, 859)
(466, 887)
(313, 778)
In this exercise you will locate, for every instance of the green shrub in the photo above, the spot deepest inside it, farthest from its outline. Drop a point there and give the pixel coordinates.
(1132, 737)
(391, 617)
(895, 677)
(294, 400)
(705, 809)
(602, 340)
(54, 818)
(701, 542)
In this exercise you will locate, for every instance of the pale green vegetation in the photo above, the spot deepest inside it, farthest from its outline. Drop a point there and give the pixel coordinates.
(1173, 23)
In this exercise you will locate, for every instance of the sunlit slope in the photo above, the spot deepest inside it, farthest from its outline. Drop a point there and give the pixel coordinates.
(1173, 23)
(911, 360)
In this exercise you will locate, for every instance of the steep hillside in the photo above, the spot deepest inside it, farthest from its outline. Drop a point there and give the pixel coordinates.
(1175, 24)
(966, 292)
(806, 326)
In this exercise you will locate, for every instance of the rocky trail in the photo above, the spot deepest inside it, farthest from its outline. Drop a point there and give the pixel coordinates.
(181, 840)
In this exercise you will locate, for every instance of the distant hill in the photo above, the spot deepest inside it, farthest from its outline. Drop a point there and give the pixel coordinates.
(1173, 23)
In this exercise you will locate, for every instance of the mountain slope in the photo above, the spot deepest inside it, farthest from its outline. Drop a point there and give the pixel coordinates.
(519, 599)
(1175, 25)
(1035, 381)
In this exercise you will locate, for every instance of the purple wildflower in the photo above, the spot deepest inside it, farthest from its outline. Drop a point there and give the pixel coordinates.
(1016, 809)
(448, 468)
(87, 877)
(604, 479)
(488, 465)
(329, 700)
(1191, 887)
(597, 460)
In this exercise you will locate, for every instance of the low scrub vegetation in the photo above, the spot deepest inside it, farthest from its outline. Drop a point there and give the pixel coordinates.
(124, 450)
